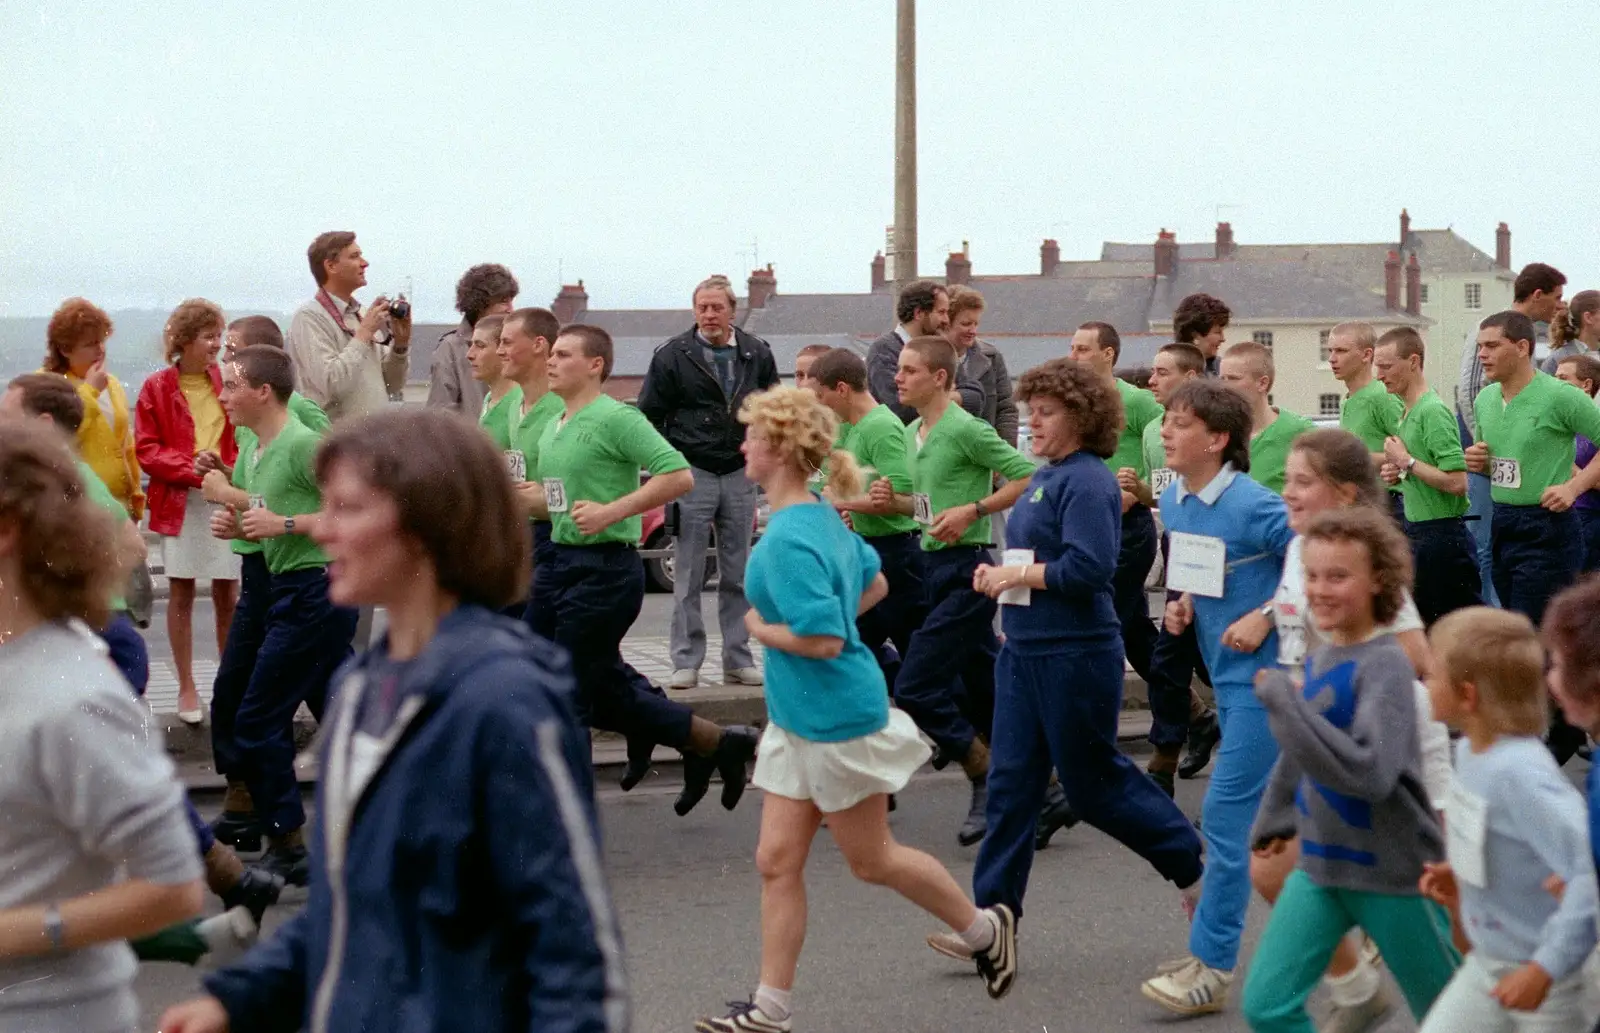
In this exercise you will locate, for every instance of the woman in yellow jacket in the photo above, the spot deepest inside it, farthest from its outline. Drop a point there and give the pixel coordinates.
(76, 341)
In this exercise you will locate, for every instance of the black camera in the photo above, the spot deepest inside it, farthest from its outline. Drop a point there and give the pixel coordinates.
(400, 308)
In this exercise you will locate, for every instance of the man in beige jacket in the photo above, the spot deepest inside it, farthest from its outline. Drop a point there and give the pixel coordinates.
(349, 362)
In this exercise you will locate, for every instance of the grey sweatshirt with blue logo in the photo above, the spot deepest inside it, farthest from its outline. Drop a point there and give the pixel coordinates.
(1349, 778)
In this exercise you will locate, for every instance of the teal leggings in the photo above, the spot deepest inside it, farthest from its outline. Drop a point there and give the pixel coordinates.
(1306, 925)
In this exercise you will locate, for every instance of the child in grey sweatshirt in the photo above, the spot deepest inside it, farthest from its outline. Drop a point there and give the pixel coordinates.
(1349, 782)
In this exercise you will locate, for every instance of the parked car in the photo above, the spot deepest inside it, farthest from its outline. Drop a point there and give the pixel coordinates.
(660, 570)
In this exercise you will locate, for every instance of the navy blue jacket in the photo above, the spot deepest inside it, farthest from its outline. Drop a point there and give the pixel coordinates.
(456, 873)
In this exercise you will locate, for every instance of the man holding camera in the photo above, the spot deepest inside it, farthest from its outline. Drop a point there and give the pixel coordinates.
(349, 362)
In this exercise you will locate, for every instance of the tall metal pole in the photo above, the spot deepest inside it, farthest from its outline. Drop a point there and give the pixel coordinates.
(904, 256)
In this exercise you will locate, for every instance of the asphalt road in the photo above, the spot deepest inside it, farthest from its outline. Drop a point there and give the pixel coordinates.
(1098, 922)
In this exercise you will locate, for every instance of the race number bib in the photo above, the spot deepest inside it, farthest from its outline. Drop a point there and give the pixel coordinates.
(1505, 473)
(1160, 480)
(921, 508)
(555, 495)
(1466, 827)
(258, 502)
(1291, 636)
(1020, 595)
(1197, 564)
(517, 465)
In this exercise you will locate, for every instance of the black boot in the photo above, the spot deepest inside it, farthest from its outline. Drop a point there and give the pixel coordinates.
(1204, 735)
(973, 829)
(940, 759)
(735, 751)
(639, 751)
(239, 830)
(286, 858)
(1055, 815)
(697, 771)
(257, 890)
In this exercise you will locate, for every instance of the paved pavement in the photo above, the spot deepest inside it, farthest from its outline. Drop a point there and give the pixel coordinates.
(688, 896)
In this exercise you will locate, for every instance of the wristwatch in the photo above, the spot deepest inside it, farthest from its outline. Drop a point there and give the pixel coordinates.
(1267, 611)
(288, 525)
(1410, 464)
(979, 507)
(55, 929)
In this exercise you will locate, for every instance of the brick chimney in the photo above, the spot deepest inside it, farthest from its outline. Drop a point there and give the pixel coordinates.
(1413, 286)
(763, 284)
(958, 267)
(570, 304)
(1405, 228)
(1049, 258)
(1391, 281)
(880, 272)
(1225, 246)
(1166, 253)
(1502, 247)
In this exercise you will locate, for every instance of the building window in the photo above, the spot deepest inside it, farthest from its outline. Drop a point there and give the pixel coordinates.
(1474, 297)
(1328, 405)
(1424, 294)
(1263, 338)
(1322, 346)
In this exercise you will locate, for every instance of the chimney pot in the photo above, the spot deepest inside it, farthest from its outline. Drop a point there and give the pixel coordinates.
(762, 286)
(1405, 228)
(1225, 246)
(880, 272)
(1391, 281)
(958, 268)
(1502, 247)
(570, 304)
(1166, 251)
(1049, 257)
(1413, 285)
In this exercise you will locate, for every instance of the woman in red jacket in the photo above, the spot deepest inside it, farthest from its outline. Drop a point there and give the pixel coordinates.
(179, 416)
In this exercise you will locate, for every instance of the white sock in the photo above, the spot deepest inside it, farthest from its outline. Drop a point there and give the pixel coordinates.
(1356, 987)
(981, 933)
(773, 1002)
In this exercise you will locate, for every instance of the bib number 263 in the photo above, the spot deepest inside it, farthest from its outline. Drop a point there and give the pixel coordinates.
(555, 495)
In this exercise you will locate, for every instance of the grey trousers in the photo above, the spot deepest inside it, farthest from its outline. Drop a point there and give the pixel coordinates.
(727, 502)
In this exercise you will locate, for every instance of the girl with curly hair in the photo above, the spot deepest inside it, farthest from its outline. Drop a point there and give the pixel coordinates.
(834, 746)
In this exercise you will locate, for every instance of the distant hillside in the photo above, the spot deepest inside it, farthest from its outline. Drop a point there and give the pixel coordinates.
(133, 353)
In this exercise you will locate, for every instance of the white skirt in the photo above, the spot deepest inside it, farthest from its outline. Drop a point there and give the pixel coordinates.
(196, 553)
(838, 775)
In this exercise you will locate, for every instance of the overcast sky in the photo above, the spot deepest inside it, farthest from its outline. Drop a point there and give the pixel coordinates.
(162, 149)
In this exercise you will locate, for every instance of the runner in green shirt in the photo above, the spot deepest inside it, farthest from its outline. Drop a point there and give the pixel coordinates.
(591, 584)
(498, 402)
(306, 637)
(951, 457)
(1426, 460)
(1247, 367)
(1173, 366)
(1368, 411)
(877, 439)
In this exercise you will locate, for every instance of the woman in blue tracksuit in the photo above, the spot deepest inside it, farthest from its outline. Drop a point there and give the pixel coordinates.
(456, 879)
(1228, 540)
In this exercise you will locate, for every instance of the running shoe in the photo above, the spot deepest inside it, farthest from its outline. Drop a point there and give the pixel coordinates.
(1194, 989)
(997, 963)
(228, 935)
(950, 945)
(1359, 1018)
(743, 1017)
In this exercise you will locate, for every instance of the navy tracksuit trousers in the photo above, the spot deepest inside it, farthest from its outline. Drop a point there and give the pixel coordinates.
(946, 680)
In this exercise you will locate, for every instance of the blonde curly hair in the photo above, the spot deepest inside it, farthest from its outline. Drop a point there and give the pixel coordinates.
(802, 429)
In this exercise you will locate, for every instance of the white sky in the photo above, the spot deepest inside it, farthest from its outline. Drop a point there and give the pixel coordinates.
(161, 149)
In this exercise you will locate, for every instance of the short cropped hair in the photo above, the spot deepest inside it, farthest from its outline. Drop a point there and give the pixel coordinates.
(482, 286)
(1189, 358)
(257, 330)
(261, 366)
(188, 321)
(1224, 411)
(1198, 315)
(1387, 550)
(964, 299)
(917, 296)
(1258, 355)
(537, 322)
(813, 351)
(490, 324)
(449, 484)
(1407, 342)
(939, 354)
(77, 322)
(50, 394)
(1092, 403)
(1571, 630)
(596, 344)
(1107, 336)
(1536, 276)
(840, 366)
(1515, 325)
(325, 249)
(1499, 653)
(66, 545)
(1363, 334)
(1588, 368)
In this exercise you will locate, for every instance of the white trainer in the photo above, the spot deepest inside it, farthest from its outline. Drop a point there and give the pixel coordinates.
(686, 678)
(1194, 989)
(743, 676)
